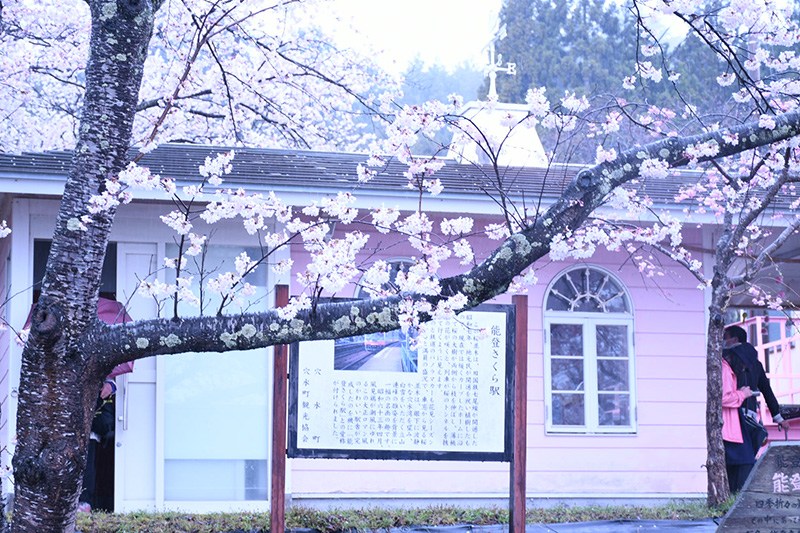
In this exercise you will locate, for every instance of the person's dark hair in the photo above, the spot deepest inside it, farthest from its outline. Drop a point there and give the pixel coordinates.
(736, 331)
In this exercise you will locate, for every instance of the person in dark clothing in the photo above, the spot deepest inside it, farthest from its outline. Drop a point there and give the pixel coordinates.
(743, 359)
(735, 340)
(102, 427)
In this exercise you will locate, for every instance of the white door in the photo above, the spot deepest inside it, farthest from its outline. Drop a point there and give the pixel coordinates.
(135, 439)
(197, 433)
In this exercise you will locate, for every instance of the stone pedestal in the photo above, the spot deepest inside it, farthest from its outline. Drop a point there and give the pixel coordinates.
(770, 499)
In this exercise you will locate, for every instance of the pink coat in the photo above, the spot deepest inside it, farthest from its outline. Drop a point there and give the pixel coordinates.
(731, 400)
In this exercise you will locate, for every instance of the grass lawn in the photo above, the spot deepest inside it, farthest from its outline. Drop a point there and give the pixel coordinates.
(376, 518)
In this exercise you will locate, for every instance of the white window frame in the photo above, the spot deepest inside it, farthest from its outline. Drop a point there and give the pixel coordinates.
(589, 321)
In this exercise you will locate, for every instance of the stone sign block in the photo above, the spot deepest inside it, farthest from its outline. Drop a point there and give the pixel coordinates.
(770, 499)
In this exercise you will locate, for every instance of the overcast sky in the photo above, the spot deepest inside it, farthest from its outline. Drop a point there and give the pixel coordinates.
(447, 32)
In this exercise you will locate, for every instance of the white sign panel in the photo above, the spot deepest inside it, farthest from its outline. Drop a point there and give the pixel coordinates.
(382, 395)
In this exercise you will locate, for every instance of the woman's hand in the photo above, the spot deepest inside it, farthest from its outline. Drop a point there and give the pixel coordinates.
(746, 390)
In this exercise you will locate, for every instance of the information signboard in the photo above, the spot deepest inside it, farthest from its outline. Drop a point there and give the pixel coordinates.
(769, 502)
(384, 396)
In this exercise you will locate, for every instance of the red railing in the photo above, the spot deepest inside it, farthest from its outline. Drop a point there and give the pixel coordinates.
(780, 355)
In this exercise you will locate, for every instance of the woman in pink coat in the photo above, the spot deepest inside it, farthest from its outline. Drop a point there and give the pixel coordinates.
(739, 452)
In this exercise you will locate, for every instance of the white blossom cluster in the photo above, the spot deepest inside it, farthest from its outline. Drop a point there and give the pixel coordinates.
(253, 89)
(268, 100)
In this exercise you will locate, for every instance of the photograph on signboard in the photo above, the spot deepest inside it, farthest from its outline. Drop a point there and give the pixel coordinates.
(444, 395)
(391, 351)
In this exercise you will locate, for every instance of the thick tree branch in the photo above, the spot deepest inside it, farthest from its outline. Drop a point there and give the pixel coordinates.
(488, 279)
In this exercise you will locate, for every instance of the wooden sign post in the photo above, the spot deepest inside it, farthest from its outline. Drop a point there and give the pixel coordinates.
(517, 502)
(770, 499)
(279, 395)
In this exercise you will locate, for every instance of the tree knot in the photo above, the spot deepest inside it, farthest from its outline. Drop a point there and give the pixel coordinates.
(584, 179)
(56, 455)
(46, 321)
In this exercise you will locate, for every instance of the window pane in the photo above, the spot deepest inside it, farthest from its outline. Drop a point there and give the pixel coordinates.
(556, 303)
(612, 375)
(568, 410)
(617, 304)
(578, 278)
(588, 305)
(589, 291)
(218, 259)
(614, 410)
(612, 341)
(560, 295)
(566, 374)
(215, 480)
(566, 339)
(224, 391)
(597, 280)
(614, 297)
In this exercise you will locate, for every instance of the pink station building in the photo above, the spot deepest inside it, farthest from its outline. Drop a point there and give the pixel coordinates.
(616, 382)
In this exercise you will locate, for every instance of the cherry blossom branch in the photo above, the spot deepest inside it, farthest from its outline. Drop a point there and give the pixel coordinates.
(766, 201)
(60, 79)
(730, 56)
(203, 38)
(288, 133)
(766, 254)
(155, 102)
(683, 262)
(323, 77)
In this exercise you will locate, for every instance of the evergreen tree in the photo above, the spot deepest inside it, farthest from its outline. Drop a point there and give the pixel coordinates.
(436, 82)
(423, 83)
(589, 46)
(581, 46)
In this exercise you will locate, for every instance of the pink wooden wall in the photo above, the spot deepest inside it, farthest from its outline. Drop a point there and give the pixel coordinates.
(663, 459)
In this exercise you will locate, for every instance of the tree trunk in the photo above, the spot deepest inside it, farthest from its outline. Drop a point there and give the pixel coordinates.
(58, 382)
(718, 491)
(54, 402)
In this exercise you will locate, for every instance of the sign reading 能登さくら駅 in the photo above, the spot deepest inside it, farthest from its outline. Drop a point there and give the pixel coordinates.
(445, 395)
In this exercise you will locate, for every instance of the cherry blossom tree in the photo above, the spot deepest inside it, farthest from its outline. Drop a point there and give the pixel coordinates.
(238, 74)
(749, 191)
(215, 72)
(752, 196)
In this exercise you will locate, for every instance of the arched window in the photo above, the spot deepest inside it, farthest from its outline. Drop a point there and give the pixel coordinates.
(589, 359)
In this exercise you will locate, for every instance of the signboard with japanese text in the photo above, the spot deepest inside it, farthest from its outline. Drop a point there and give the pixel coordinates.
(770, 499)
(444, 396)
